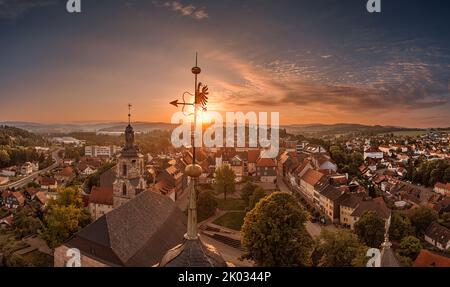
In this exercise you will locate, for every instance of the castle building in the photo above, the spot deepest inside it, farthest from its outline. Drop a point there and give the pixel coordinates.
(130, 170)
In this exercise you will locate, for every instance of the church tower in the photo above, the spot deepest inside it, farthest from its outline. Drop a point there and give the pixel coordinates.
(130, 169)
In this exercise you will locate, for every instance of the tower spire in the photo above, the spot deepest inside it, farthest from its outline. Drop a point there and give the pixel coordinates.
(129, 114)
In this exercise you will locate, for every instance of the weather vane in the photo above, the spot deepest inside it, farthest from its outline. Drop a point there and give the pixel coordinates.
(200, 99)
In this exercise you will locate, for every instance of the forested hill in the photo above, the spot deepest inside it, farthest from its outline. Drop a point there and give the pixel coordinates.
(11, 136)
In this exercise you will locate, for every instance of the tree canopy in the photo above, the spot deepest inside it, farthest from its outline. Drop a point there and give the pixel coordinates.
(400, 226)
(274, 233)
(410, 247)
(64, 216)
(224, 180)
(370, 229)
(340, 248)
(421, 218)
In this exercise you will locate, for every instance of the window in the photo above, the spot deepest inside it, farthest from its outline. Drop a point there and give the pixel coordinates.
(124, 189)
(124, 170)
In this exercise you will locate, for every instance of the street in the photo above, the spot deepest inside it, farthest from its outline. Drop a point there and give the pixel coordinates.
(24, 181)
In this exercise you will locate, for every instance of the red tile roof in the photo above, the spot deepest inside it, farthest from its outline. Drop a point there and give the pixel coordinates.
(429, 259)
(67, 171)
(41, 197)
(266, 162)
(19, 197)
(253, 156)
(47, 181)
(101, 195)
(373, 149)
(312, 177)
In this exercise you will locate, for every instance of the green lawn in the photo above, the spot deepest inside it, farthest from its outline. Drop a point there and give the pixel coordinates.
(232, 220)
(231, 204)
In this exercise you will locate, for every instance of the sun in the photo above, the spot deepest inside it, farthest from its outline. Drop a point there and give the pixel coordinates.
(204, 117)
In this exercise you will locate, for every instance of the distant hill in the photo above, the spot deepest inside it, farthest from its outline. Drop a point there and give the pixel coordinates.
(338, 129)
(14, 136)
(65, 128)
(117, 127)
(138, 127)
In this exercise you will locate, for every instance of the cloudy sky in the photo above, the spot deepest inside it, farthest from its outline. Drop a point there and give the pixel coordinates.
(313, 61)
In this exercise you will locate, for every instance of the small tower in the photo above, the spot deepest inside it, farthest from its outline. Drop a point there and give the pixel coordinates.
(129, 169)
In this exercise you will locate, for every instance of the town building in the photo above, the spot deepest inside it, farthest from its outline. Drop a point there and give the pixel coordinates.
(376, 205)
(329, 197)
(101, 151)
(266, 170)
(100, 201)
(442, 188)
(438, 236)
(373, 153)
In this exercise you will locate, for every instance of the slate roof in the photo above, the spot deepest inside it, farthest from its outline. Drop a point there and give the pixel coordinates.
(388, 258)
(136, 234)
(349, 200)
(331, 193)
(108, 177)
(193, 253)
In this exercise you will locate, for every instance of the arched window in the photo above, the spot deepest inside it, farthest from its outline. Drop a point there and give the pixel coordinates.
(124, 189)
(124, 170)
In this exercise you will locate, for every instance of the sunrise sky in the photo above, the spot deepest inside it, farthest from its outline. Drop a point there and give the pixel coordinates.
(313, 61)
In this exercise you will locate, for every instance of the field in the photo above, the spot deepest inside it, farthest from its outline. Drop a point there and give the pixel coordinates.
(232, 220)
(231, 204)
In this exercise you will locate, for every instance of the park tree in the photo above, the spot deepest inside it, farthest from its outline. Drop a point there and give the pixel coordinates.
(400, 226)
(370, 229)
(247, 191)
(274, 233)
(257, 195)
(224, 180)
(340, 248)
(206, 205)
(421, 218)
(410, 247)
